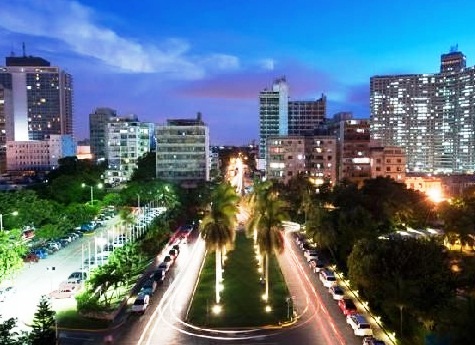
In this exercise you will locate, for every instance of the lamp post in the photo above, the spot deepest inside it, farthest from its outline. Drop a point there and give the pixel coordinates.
(99, 186)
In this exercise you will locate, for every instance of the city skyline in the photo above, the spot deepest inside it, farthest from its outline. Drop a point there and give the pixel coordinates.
(161, 61)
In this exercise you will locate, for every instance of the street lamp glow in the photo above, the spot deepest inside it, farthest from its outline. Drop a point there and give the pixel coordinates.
(216, 309)
(268, 308)
(98, 186)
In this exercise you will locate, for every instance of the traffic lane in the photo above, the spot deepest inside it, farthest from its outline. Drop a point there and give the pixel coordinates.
(333, 313)
(131, 331)
(315, 323)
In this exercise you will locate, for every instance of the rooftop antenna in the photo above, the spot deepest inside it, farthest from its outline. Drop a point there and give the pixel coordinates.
(24, 49)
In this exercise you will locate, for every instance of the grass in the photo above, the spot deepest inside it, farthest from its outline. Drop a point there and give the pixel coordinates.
(241, 299)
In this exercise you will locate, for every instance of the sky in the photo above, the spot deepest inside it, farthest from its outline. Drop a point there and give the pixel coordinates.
(166, 60)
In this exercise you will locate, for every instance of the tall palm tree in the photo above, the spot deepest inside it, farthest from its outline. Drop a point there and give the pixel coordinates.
(218, 226)
(267, 218)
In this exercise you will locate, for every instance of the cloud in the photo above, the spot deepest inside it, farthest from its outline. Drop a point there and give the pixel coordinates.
(72, 23)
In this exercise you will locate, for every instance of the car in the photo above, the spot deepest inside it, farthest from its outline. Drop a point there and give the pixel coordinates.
(40, 252)
(337, 292)
(347, 306)
(5, 292)
(65, 290)
(173, 253)
(54, 246)
(149, 287)
(310, 254)
(327, 277)
(370, 340)
(77, 276)
(169, 259)
(141, 304)
(158, 275)
(359, 324)
(164, 266)
(316, 265)
(31, 257)
(176, 247)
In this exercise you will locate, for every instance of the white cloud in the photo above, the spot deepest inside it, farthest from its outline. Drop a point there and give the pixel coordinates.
(73, 24)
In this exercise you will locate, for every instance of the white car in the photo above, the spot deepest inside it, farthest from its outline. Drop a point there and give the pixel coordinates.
(141, 304)
(337, 292)
(359, 324)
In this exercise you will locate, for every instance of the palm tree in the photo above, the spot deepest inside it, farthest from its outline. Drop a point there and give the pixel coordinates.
(267, 219)
(218, 226)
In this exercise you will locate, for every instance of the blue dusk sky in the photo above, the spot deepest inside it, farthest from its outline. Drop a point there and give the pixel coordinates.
(168, 59)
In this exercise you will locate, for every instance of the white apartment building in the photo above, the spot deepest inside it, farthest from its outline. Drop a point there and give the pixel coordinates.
(127, 141)
(39, 155)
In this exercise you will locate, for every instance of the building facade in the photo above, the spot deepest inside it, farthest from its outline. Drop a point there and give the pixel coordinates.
(127, 141)
(183, 151)
(273, 113)
(313, 157)
(98, 121)
(39, 155)
(305, 116)
(430, 116)
(37, 101)
(389, 161)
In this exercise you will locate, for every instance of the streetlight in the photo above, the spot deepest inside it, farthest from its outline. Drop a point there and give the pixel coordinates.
(1, 219)
(99, 186)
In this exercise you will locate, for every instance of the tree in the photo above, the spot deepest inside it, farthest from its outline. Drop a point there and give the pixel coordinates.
(218, 226)
(402, 275)
(267, 217)
(44, 323)
(9, 336)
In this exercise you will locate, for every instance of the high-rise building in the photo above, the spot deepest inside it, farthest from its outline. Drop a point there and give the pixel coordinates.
(98, 121)
(305, 116)
(278, 115)
(183, 151)
(273, 113)
(430, 116)
(41, 96)
(37, 101)
(127, 141)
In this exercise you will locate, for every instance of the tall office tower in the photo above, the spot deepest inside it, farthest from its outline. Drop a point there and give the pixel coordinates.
(127, 141)
(431, 116)
(305, 116)
(273, 113)
(183, 151)
(41, 96)
(98, 121)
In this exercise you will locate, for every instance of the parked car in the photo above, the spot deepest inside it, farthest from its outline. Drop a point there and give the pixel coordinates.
(149, 287)
(158, 275)
(316, 265)
(337, 292)
(310, 254)
(141, 304)
(78, 276)
(40, 252)
(5, 292)
(359, 324)
(370, 340)
(347, 306)
(66, 290)
(173, 253)
(164, 266)
(31, 257)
